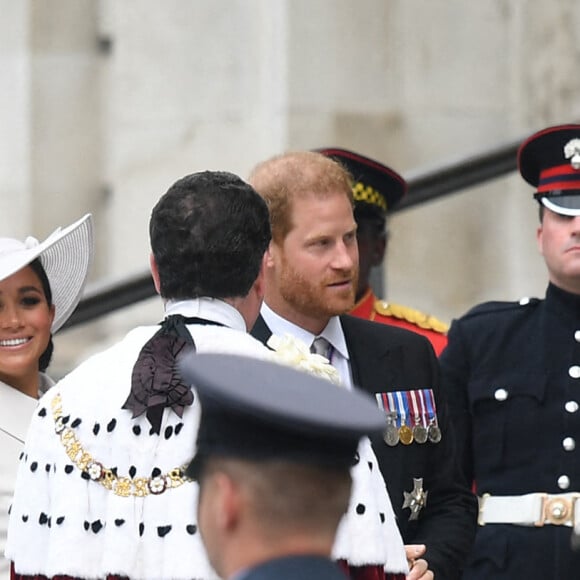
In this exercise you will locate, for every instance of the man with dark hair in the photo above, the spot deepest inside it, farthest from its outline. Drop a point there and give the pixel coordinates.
(311, 271)
(377, 189)
(511, 370)
(208, 237)
(101, 489)
(273, 459)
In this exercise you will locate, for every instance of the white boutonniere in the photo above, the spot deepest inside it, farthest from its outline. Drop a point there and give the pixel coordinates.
(293, 352)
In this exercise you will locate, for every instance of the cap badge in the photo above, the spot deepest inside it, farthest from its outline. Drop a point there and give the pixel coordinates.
(572, 152)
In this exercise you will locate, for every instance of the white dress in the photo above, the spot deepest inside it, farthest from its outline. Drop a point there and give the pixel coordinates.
(16, 410)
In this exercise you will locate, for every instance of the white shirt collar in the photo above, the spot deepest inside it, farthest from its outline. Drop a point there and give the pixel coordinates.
(332, 332)
(208, 308)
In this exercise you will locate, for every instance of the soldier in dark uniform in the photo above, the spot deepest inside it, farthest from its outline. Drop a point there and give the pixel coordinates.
(511, 371)
(377, 189)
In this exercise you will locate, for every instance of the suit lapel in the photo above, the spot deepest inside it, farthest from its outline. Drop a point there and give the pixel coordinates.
(374, 368)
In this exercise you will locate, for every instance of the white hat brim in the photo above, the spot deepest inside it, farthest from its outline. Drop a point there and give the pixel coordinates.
(66, 256)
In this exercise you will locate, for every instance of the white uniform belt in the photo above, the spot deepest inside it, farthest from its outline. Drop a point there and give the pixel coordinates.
(532, 509)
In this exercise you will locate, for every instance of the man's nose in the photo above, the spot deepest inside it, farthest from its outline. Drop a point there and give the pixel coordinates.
(576, 226)
(345, 257)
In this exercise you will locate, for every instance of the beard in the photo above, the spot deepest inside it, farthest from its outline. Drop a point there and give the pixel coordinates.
(314, 298)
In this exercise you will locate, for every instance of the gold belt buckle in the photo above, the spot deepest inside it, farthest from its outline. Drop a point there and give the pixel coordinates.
(557, 510)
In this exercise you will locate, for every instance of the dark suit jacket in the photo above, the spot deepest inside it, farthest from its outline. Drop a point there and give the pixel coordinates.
(384, 359)
(295, 568)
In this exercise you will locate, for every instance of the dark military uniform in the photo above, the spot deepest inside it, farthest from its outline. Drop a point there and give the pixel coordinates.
(511, 372)
(512, 375)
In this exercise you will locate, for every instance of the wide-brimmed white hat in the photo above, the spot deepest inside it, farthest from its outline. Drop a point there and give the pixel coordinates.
(66, 256)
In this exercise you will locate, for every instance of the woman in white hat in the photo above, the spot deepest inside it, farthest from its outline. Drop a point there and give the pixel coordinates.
(40, 286)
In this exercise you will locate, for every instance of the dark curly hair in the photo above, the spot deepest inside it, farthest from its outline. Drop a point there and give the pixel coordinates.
(208, 236)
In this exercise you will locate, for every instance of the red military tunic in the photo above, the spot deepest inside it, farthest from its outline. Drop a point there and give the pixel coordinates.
(370, 307)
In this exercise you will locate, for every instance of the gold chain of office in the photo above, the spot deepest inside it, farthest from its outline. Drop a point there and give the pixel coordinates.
(123, 486)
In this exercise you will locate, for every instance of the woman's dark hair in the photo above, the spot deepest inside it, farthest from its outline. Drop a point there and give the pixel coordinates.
(38, 269)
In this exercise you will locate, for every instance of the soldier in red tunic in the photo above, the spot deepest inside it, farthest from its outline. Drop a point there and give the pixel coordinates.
(377, 189)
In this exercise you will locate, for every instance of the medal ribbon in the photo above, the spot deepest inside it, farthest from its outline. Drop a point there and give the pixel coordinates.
(402, 407)
(423, 405)
(393, 407)
(418, 416)
(382, 401)
(429, 399)
(386, 402)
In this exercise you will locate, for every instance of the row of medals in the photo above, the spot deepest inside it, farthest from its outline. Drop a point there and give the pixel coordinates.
(406, 435)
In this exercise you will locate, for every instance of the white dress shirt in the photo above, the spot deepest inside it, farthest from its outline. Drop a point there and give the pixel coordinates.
(333, 333)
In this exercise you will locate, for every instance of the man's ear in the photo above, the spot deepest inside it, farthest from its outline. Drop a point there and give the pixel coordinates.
(229, 502)
(270, 256)
(259, 285)
(155, 273)
(539, 239)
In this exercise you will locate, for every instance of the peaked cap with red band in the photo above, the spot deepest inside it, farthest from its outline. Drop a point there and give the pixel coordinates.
(377, 188)
(550, 161)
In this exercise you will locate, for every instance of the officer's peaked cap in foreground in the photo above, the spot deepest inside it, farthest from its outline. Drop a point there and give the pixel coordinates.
(550, 161)
(377, 188)
(259, 410)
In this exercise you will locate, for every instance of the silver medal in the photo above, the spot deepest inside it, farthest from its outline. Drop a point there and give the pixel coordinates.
(434, 434)
(420, 433)
(391, 435)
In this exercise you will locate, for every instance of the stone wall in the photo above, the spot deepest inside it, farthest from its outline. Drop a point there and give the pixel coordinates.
(106, 103)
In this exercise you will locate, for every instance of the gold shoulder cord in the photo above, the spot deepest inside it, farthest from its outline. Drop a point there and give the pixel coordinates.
(411, 315)
(123, 486)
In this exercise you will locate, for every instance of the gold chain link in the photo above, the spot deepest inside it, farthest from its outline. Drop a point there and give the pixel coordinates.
(123, 486)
